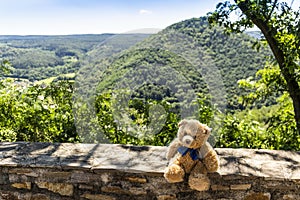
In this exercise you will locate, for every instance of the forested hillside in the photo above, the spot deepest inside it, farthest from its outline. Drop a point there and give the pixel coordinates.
(222, 59)
(211, 61)
(40, 57)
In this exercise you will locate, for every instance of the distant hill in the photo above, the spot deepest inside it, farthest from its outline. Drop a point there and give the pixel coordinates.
(208, 60)
(144, 31)
(37, 57)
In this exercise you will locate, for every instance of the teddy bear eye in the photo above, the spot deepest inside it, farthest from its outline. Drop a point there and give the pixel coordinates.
(184, 133)
(195, 137)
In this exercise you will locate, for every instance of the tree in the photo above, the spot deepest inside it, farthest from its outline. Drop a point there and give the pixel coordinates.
(280, 26)
(4, 67)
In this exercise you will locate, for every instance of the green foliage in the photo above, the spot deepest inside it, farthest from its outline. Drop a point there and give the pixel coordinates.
(154, 67)
(137, 112)
(240, 133)
(271, 127)
(265, 87)
(5, 68)
(36, 113)
(144, 122)
(280, 25)
(206, 111)
(213, 54)
(282, 127)
(265, 128)
(7, 135)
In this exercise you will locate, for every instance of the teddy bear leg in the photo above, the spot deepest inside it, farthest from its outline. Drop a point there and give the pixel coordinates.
(198, 179)
(174, 174)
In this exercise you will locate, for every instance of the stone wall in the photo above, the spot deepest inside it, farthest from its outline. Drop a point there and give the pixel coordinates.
(44, 171)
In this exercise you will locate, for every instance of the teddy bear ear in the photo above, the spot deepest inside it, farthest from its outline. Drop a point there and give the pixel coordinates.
(207, 130)
(182, 122)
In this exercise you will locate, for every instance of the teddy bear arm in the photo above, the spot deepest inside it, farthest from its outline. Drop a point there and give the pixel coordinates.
(211, 161)
(210, 157)
(173, 149)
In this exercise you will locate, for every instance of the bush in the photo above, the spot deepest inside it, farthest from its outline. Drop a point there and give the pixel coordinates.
(7, 135)
(36, 113)
(146, 121)
(276, 130)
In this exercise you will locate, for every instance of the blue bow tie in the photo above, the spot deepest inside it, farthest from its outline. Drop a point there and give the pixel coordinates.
(184, 150)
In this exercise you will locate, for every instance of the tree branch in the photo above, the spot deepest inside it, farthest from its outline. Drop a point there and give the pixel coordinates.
(272, 10)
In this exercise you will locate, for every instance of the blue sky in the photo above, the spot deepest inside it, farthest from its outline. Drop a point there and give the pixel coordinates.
(25, 17)
(55, 17)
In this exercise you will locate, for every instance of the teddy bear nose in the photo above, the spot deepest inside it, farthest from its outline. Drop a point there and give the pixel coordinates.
(188, 141)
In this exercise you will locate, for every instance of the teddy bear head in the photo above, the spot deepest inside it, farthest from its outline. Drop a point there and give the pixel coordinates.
(192, 134)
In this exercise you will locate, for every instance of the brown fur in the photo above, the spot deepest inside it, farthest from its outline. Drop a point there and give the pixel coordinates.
(210, 161)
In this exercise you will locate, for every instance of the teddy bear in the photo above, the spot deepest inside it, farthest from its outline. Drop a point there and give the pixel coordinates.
(190, 154)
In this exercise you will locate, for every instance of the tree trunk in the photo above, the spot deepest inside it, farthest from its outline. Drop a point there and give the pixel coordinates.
(294, 91)
(286, 67)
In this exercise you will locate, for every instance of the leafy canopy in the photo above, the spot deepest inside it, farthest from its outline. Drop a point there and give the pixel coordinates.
(280, 26)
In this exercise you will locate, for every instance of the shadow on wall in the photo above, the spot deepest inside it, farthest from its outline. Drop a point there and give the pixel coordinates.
(261, 163)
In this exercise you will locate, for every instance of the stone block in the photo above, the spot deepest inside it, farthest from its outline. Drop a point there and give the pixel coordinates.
(105, 178)
(9, 162)
(25, 185)
(220, 187)
(40, 197)
(97, 197)
(240, 187)
(15, 178)
(81, 177)
(136, 179)
(297, 181)
(258, 196)
(4, 180)
(57, 176)
(6, 195)
(85, 187)
(281, 185)
(114, 189)
(60, 188)
(24, 171)
(291, 197)
(9, 195)
(137, 191)
(167, 197)
(233, 177)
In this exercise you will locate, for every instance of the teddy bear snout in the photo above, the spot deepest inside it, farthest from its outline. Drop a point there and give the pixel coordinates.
(187, 140)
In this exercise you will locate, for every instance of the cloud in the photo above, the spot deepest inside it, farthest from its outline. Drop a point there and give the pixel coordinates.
(145, 12)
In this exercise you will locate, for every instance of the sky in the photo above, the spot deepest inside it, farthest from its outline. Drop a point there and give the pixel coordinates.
(62, 17)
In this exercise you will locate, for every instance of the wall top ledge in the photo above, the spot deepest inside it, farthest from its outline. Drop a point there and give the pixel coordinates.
(144, 159)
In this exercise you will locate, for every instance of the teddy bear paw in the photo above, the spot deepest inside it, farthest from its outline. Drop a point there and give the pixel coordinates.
(174, 174)
(199, 182)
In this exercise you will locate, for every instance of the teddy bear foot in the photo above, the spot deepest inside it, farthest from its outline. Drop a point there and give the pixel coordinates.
(199, 182)
(174, 174)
